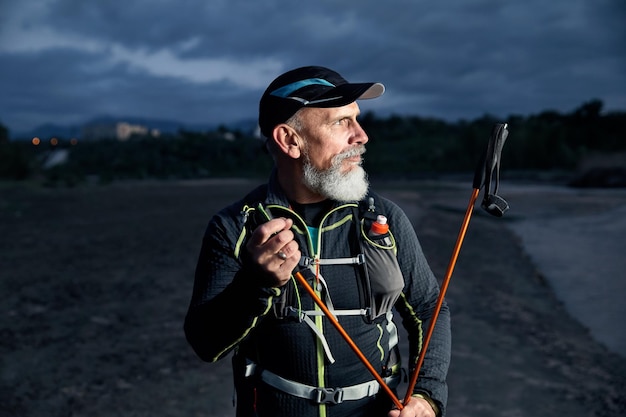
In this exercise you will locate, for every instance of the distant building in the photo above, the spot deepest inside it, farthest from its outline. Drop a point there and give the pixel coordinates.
(121, 131)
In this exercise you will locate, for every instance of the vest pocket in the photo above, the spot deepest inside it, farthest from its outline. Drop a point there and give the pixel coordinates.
(382, 272)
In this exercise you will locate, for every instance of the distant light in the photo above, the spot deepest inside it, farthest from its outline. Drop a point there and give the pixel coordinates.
(36, 141)
(73, 141)
(54, 141)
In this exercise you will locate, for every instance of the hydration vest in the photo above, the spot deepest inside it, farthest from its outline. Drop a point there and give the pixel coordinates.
(381, 282)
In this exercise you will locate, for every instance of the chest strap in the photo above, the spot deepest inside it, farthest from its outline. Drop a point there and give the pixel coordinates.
(304, 317)
(322, 395)
(306, 261)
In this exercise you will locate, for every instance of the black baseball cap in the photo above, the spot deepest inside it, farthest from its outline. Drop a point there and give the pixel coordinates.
(310, 86)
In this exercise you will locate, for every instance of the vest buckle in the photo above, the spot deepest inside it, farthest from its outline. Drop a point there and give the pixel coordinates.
(328, 395)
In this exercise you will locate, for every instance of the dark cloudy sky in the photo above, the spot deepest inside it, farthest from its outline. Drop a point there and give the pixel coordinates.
(66, 61)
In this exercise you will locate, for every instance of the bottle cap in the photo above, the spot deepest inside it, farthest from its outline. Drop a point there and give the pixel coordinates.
(380, 226)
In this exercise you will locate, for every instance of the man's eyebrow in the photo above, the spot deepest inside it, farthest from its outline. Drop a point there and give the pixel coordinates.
(346, 115)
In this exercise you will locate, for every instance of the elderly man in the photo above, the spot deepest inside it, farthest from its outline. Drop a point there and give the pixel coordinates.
(314, 217)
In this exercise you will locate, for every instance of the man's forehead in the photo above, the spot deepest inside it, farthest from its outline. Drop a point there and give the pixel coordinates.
(330, 113)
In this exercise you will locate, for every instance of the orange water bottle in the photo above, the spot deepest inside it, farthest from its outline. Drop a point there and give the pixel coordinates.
(379, 232)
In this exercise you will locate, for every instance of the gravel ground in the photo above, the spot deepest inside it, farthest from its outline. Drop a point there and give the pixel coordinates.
(95, 282)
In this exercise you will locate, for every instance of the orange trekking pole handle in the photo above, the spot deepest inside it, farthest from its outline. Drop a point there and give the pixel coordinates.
(442, 293)
(347, 338)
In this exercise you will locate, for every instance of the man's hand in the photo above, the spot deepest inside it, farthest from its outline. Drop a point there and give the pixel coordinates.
(273, 248)
(416, 407)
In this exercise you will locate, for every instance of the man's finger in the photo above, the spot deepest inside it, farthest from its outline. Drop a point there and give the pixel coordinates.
(264, 232)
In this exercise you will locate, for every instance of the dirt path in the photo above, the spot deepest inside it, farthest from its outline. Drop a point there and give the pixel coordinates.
(95, 283)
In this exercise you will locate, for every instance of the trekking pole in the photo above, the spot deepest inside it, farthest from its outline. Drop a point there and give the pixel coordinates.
(347, 338)
(493, 204)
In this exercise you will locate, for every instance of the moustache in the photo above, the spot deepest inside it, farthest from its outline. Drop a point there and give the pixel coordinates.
(357, 151)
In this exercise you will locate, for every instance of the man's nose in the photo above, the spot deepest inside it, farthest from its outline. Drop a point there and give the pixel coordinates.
(359, 136)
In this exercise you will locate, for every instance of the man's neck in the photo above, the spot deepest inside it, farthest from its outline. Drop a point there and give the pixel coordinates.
(296, 191)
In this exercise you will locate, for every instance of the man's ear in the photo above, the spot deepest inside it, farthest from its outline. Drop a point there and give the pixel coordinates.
(287, 140)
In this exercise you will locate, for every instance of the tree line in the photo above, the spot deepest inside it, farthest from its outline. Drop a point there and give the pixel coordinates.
(404, 146)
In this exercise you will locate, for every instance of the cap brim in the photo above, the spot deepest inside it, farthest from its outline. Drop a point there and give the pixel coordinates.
(348, 93)
(375, 90)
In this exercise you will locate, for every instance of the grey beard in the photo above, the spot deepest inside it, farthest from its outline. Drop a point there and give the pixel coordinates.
(335, 185)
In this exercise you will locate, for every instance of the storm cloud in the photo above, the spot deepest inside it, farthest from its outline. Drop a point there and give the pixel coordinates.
(196, 61)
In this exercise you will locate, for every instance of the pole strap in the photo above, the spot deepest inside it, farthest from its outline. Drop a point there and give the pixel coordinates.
(489, 168)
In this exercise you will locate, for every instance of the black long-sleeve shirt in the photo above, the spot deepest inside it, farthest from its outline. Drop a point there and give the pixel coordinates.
(232, 309)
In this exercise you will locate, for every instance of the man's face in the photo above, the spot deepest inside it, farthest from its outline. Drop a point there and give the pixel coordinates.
(329, 132)
(333, 144)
